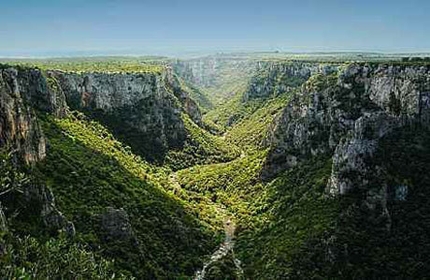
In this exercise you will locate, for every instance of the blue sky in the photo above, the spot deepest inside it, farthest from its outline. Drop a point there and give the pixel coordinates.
(53, 27)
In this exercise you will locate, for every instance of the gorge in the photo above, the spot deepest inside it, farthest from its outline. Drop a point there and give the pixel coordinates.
(140, 168)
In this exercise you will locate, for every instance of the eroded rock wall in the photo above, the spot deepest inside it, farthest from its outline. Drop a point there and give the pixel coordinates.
(345, 115)
(19, 129)
(144, 110)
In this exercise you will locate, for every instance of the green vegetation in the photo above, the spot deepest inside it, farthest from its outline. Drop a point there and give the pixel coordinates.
(276, 220)
(415, 59)
(366, 242)
(250, 131)
(296, 210)
(198, 96)
(222, 270)
(101, 64)
(231, 184)
(246, 123)
(89, 171)
(60, 258)
(12, 179)
(200, 147)
(29, 257)
(226, 114)
(165, 219)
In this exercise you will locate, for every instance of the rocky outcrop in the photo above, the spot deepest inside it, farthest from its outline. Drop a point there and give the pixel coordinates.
(19, 129)
(23, 92)
(401, 95)
(188, 104)
(111, 91)
(351, 156)
(52, 218)
(116, 225)
(143, 109)
(345, 116)
(311, 124)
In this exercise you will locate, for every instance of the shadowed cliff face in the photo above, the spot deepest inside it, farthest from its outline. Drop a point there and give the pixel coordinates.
(142, 109)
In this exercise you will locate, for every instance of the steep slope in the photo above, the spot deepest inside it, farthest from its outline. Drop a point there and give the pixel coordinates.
(358, 106)
(148, 111)
(27, 206)
(349, 117)
(117, 203)
(270, 80)
(19, 129)
(111, 201)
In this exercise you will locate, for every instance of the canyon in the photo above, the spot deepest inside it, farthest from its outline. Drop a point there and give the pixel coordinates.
(300, 169)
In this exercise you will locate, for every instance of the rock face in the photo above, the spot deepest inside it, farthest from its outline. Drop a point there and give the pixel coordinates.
(275, 78)
(400, 94)
(345, 116)
(22, 91)
(143, 109)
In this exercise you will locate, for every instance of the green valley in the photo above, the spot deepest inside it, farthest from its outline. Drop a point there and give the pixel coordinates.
(228, 166)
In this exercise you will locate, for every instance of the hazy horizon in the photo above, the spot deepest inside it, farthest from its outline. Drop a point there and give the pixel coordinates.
(50, 28)
(185, 54)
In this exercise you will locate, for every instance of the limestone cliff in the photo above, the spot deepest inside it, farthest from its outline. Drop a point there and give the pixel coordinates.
(344, 115)
(149, 104)
(19, 129)
(401, 96)
(274, 78)
(143, 109)
(370, 123)
(23, 92)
